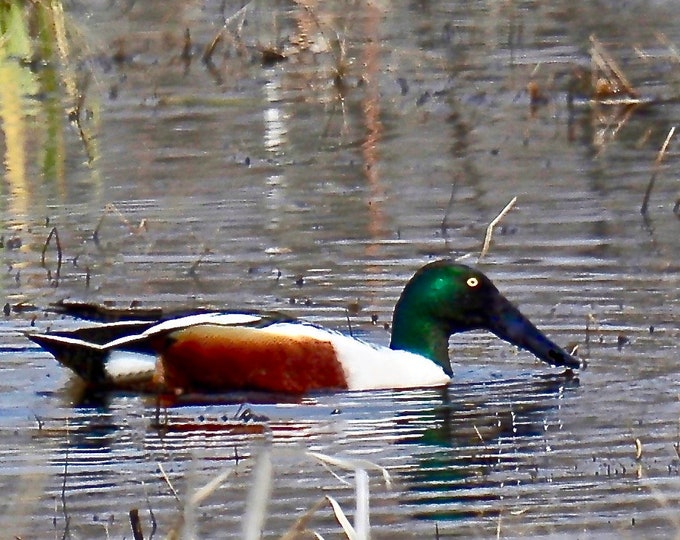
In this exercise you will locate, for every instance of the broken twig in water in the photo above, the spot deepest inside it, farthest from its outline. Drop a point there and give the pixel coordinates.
(112, 209)
(194, 265)
(53, 233)
(638, 449)
(152, 516)
(657, 164)
(136, 524)
(349, 322)
(489, 229)
(449, 207)
(76, 116)
(185, 55)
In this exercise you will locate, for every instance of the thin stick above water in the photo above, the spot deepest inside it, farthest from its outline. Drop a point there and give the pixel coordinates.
(489, 229)
(657, 164)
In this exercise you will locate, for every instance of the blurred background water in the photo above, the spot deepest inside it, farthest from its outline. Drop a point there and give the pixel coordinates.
(311, 161)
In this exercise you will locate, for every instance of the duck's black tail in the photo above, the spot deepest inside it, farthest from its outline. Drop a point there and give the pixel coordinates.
(85, 351)
(87, 360)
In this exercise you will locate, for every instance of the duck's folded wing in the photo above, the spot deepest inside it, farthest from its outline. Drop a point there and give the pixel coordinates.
(121, 354)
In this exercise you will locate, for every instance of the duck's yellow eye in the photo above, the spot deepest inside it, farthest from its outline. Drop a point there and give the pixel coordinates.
(472, 282)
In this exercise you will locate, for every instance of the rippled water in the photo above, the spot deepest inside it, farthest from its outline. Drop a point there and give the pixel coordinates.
(271, 186)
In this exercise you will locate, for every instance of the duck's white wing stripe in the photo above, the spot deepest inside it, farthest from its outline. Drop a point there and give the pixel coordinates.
(70, 341)
(225, 319)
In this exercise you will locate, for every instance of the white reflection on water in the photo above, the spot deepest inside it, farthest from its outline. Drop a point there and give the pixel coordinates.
(275, 130)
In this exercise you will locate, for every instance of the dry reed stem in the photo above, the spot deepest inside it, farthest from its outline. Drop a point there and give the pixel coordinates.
(339, 55)
(661, 499)
(188, 520)
(258, 497)
(361, 528)
(352, 465)
(362, 512)
(334, 474)
(602, 61)
(664, 147)
(203, 493)
(167, 481)
(591, 320)
(60, 34)
(67, 518)
(489, 229)
(622, 120)
(610, 87)
(185, 524)
(300, 525)
(670, 45)
(481, 439)
(657, 165)
(207, 55)
(342, 519)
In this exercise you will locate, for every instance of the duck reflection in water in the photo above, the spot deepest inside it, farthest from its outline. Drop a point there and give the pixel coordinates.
(482, 437)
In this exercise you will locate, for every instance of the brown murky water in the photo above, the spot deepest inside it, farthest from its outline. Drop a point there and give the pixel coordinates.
(240, 184)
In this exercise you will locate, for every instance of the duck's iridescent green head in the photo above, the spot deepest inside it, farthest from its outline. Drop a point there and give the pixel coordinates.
(443, 298)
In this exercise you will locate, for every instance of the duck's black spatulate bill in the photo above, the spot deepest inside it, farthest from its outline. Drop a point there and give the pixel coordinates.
(508, 323)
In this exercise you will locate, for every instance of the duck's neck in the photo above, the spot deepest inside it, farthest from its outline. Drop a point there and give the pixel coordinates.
(421, 335)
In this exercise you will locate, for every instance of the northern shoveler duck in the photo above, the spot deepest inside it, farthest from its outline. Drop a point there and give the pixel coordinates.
(219, 352)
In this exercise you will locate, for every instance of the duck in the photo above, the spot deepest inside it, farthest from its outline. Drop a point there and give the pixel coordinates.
(223, 351)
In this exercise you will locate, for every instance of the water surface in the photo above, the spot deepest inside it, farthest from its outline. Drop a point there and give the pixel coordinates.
(318, 185)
